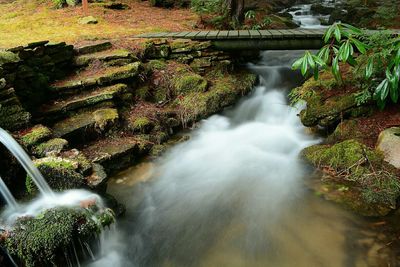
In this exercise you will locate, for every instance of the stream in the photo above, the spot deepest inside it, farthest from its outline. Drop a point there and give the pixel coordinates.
(235, 194)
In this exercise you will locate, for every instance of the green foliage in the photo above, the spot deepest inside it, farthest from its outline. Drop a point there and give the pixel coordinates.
(208, 6)
(59, 3)
(377, 63)
(251, 14)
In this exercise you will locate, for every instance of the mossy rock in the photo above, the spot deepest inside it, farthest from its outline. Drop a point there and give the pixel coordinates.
(341, 156)
(347, 129)
(53, 146)
(8, 57)
(362, 170)
(35, 135)
(140, 125)
(43, 240)
(156, 64)
(152, 51)
(59, 173)
(105, 118)
(190, 83)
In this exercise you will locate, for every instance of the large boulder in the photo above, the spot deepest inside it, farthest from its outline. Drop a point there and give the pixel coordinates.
(389, 144)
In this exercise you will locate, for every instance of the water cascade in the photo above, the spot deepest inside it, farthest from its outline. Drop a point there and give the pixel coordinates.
(7, 195)
(19, 153)
(239, 173)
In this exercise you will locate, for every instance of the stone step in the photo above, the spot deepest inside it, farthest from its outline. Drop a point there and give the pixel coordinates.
(112, 57)
(93, 48)
(61, 108)
(86, 126)
(86, 80)
(117, 153)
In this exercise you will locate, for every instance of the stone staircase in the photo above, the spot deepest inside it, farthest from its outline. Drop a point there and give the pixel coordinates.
(84, 106)
(84, 111)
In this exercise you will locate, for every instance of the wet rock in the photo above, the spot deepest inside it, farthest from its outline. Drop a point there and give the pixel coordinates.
(321, 9)
(389, 144)
(61, 174)
(53, 147)
(43, 240)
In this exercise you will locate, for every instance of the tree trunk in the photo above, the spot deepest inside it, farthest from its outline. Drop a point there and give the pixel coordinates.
(235, 11)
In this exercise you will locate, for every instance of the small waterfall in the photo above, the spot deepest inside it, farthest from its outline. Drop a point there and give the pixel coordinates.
(9, 142)
(8, 197)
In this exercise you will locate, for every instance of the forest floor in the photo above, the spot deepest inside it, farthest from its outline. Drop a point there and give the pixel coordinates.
(25, 21)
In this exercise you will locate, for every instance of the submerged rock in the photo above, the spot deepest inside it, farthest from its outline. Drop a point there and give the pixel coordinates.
(355, 176)
(389, 144)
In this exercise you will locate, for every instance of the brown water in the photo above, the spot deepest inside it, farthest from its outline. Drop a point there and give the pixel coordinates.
(314, 232)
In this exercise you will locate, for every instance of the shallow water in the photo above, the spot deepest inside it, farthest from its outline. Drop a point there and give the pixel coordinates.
(235, 194)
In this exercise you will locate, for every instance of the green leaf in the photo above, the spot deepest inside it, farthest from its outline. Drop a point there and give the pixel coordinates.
(304, 67)
(296, 65)
(351, 61)
(324, 53)
(335, 68)
(338, 34)
(394, 94)
(353, 29)
(310, 60)
(318, 60)
(381, 92)
(328, 33)
(361, 47)
(370, 68)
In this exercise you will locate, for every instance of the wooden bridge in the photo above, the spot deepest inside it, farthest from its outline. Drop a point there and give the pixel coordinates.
(294, 39)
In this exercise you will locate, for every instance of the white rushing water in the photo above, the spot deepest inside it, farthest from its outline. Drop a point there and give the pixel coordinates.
(305, 18)
(240, 167)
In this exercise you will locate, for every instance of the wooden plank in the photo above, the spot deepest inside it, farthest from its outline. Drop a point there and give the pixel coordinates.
(266, 34)
(159, 34)
(296, 34)
(255, 34)
(182, 34)
(191, 35)
(222, 34)
(276, 34)
(202, 35)
(244, 34)
(286, 33)
(233, 34)
(211, 35)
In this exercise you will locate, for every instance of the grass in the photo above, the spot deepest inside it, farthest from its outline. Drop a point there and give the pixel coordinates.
(25, 21)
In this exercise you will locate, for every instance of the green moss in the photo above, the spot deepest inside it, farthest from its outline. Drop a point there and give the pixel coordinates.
(143, 92)
(342, 156)
(141, 125)
(8, 57)
(222, 93)
(156, 64)
(44, 240)
(55, 145)
(59, 173)
(190, 83)
(105, 118)
(35, 135)
(351, 161)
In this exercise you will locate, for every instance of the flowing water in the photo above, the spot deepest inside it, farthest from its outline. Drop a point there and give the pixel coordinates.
(19, 153)
(7, 195)
(234, 194)
(306, 18)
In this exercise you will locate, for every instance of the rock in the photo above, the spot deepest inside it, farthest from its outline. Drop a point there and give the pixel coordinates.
(42, 240)
(140, 124)
(105, 118)
(151, 51)
(389, 144)
(8, 57)
(53, 147)
(93, 48)
(321, 9)
(34, 135)
(3, 83)
(116, 6)
(190, 83)
(61, 174)
(356, 176)
(88, 20)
